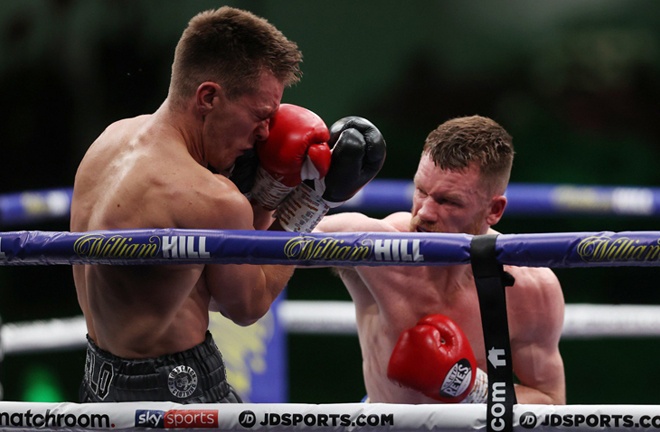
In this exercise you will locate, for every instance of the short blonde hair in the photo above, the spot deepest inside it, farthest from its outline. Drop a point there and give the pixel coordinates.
(461, 141)
(231, 47)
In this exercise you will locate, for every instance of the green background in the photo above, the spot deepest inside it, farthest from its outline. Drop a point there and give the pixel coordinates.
(576, 82)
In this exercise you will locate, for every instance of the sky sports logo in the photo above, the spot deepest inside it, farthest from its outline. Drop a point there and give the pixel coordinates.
(176, 418)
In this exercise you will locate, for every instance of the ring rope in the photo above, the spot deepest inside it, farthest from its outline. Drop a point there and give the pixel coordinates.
(376, 417)
(581, 321)
(391, 195)
(184, 246)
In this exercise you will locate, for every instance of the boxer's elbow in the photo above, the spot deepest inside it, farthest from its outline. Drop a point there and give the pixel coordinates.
(247, 313)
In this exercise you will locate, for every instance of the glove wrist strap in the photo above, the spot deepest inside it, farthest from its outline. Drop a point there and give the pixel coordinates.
(302, 210)
(479, 392)
(267, 191)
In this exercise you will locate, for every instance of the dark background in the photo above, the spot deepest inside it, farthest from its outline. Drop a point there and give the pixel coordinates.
(576, 82)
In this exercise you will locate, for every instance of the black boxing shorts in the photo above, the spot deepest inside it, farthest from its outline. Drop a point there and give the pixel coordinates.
(196, 375)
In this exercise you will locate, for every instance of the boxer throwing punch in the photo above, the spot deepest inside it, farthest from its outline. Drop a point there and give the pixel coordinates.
(420, 328)
(147, 325)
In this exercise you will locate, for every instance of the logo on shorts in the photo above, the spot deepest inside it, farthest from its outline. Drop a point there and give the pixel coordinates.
(182, 381)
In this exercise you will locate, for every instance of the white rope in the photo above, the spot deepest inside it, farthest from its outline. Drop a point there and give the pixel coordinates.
(593, 321)
(317, 317)
(37, 336)
(337, 318)
(140, 416)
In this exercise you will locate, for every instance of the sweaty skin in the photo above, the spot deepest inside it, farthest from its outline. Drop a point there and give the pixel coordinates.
(152, 171)
(391, 299)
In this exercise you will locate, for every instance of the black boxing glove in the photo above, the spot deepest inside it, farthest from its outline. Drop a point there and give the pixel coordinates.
(244, 171)
(358, 154)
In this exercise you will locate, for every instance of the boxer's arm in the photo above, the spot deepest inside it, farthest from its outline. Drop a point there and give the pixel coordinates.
(351, 222)
(246, 292)
(241, 292)
(537, 361)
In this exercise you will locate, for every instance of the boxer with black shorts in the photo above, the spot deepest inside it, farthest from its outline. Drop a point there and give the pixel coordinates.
(184, 167)
(196, 375)
(147, 325)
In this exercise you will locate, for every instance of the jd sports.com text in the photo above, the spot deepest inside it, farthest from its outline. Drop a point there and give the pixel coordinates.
(529, 421)
(248, 419)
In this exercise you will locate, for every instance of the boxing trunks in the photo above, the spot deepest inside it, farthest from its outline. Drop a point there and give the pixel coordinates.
(196, 375)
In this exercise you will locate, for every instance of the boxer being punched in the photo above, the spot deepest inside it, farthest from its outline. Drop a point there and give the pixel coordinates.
(176, 168)
(420, 328)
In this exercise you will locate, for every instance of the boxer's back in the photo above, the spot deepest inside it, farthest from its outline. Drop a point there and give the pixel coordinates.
(133, 311)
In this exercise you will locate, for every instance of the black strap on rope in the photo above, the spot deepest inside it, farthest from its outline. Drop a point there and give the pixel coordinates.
(491, 280)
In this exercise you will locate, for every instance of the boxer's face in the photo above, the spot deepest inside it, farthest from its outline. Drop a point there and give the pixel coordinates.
(449, 201)
(234, 125)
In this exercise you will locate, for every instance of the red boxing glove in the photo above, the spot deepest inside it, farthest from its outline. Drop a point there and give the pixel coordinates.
(358, 154)
(296, 150)
(435, 358)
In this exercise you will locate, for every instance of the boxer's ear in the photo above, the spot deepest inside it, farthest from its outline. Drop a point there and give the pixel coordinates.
(208, 94)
